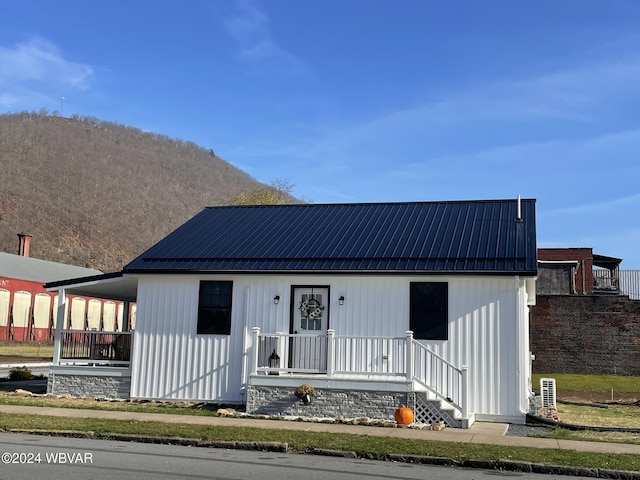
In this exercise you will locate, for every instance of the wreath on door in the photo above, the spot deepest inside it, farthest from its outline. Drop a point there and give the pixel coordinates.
(311, 308)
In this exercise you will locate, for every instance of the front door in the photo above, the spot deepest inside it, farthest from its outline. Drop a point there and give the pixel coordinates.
(309, 323)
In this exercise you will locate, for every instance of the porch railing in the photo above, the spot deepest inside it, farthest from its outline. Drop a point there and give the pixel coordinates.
(332, 355)
(96, 348)
(605, 280)
(370, 355)
(440, 377)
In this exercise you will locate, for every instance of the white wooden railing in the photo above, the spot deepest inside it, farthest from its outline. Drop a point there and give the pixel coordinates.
(337, 355)
(370, 355)
(440, 377)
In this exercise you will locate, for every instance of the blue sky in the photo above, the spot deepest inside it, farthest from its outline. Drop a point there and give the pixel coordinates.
(366, 100)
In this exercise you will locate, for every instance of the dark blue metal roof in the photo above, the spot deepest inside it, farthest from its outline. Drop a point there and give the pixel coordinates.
(458, 236)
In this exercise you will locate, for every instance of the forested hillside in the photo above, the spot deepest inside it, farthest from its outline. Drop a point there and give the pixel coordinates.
(95, 193)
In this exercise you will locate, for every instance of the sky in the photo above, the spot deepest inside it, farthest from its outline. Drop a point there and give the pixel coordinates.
(365, 100)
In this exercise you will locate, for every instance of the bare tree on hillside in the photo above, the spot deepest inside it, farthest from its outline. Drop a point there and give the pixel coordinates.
(277, 192)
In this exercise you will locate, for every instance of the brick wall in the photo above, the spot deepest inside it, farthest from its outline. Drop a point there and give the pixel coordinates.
(583, 269)
(591, 334)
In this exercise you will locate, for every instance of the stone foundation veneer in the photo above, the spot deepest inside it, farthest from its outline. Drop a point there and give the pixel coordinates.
(94, 386)
(326, 403)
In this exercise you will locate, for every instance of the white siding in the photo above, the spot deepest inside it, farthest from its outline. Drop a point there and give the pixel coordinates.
(173, 361)
(488, 331)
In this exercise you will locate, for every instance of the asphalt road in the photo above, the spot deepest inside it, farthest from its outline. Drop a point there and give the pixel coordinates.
(56, 458)
(4, 371)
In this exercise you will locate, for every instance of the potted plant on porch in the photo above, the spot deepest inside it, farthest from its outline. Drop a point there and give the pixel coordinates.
(304, 392)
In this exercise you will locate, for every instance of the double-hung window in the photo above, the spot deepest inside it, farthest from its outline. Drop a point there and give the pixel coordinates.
(214, 308)
(429, 310)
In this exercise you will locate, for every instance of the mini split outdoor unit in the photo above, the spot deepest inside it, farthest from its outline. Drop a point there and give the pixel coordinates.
(548, 392)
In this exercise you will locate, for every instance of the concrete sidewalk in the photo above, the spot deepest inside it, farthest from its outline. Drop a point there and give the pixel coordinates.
(479, 433)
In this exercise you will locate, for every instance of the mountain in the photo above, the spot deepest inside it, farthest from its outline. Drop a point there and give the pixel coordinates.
(96, 194)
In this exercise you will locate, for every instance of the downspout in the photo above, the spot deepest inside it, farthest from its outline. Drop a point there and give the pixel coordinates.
(522, 390)
(57, 341)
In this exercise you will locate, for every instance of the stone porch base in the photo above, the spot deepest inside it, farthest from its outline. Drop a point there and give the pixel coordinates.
(325, 403)
(94, 382)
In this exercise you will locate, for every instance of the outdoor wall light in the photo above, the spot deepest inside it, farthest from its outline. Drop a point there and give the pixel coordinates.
(276, 299)
(341, 300)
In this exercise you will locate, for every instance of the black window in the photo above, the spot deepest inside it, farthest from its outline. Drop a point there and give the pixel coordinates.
(429, 310)
(214, 308)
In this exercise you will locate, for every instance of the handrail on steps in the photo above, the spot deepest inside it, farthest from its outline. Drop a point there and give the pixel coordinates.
(439, 376)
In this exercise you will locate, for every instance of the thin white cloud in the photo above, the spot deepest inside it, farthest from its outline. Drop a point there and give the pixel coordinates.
(41, 61)
(577, 96)
(249, 27)
(595, 207)
(465, 130)
(583, 152)
(33, 70)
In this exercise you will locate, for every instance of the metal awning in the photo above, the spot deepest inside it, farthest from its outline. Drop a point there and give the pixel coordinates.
(603, 261)
(110, 286)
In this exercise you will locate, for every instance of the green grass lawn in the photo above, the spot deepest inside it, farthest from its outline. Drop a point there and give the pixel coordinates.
(28, 350)
(589, 383)
(179, 408)
(376, 446)
(300, 441)
(627, 416)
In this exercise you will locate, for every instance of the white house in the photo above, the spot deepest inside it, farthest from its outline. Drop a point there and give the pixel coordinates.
(373, 305)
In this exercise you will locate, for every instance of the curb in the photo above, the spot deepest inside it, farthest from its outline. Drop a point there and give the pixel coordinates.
(185, 442)
(499, 465)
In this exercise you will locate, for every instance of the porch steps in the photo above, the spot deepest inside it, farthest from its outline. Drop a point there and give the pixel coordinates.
(427, 411)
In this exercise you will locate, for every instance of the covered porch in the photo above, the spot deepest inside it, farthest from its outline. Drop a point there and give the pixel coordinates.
(371, 375)
(93, 363)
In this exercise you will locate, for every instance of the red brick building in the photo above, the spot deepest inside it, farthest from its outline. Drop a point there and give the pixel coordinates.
(581, 322)
(568, 271)
(28, 311)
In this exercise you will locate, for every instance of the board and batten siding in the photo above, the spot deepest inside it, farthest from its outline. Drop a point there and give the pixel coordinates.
(488, 331)
(171, 361)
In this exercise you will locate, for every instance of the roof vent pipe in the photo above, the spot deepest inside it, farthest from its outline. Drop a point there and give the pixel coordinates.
(23, 244)
(519, 214)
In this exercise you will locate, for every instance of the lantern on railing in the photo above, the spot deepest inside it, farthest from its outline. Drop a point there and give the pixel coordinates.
(274, 362)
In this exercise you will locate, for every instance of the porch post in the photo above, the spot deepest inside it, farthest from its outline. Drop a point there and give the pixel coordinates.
(281, 349)
(465, 392)
(254, 358)
(409, 355)
(57, 339)
(331, 347)
(126, 311)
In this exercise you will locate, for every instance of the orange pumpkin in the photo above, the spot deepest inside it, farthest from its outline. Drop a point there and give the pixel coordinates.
(404, 415)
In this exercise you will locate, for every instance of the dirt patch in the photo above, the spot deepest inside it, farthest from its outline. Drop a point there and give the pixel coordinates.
(598, 397)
